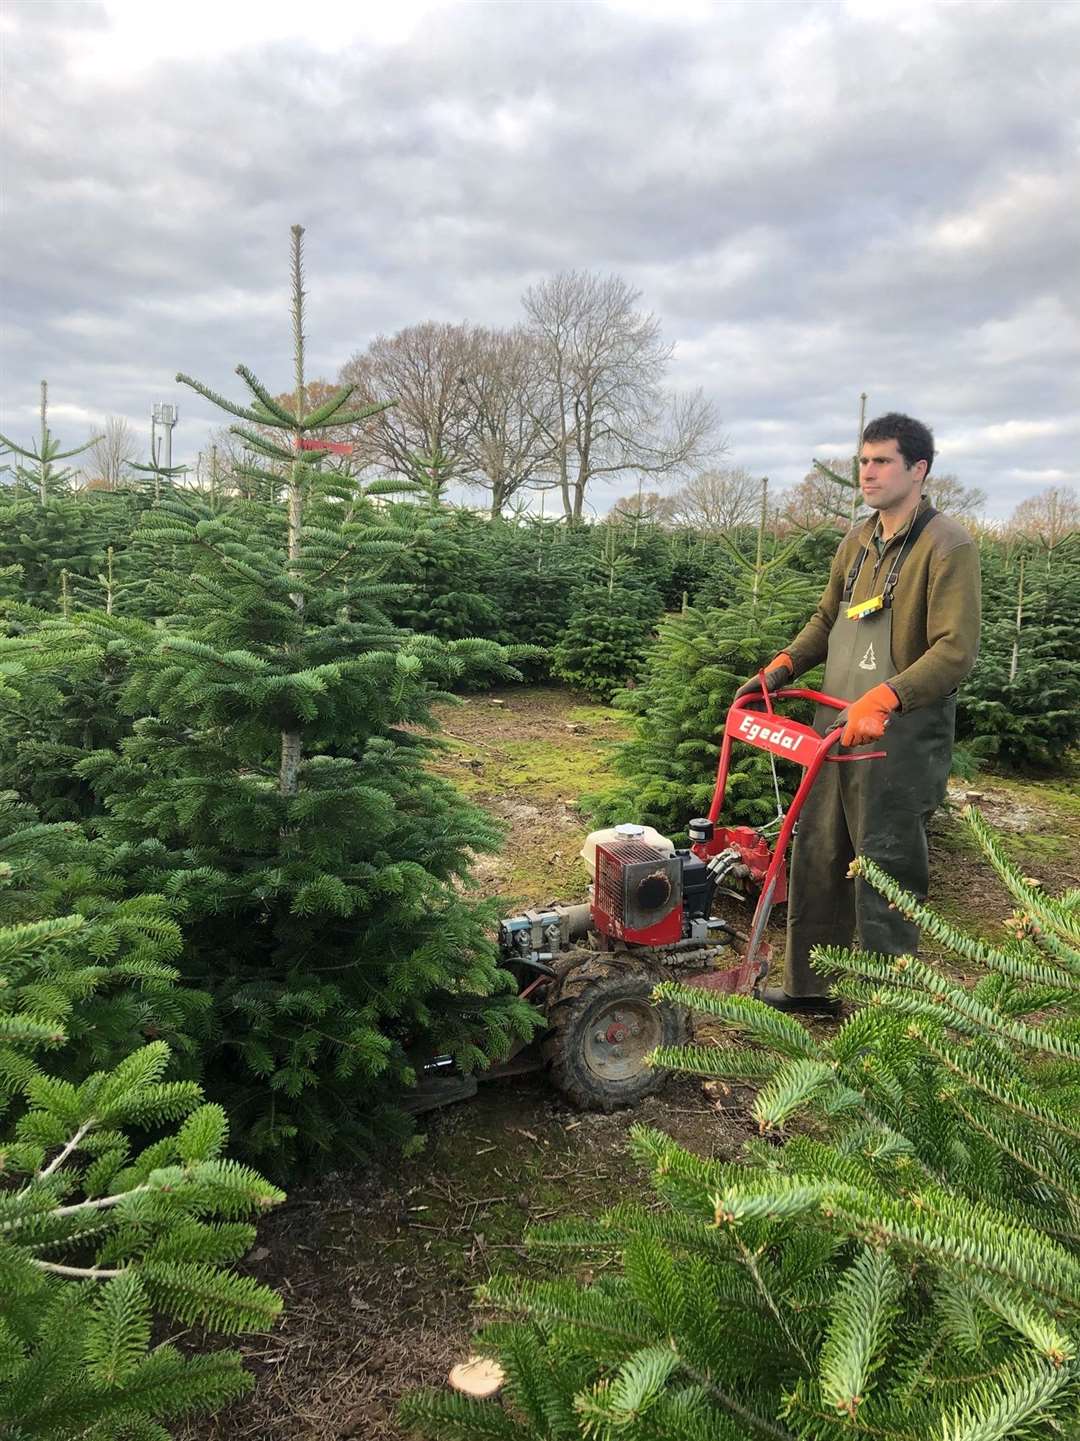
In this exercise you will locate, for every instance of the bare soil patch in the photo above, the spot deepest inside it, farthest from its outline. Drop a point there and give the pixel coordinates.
(528, 756)
(378, 1271)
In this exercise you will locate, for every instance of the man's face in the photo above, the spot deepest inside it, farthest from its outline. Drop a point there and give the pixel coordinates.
(885, 479)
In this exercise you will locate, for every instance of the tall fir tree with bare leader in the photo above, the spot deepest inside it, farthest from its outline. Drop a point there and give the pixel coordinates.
(273, 784)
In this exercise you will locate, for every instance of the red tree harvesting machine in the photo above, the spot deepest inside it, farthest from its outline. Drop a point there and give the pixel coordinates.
(591, 968)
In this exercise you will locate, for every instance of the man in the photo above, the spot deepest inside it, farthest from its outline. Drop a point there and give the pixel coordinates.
(898, 629)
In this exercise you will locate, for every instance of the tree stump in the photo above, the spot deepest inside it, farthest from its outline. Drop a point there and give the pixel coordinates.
(479, 1377)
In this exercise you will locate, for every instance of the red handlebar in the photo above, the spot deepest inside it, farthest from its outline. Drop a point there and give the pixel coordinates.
(789, 739)
(792, 740)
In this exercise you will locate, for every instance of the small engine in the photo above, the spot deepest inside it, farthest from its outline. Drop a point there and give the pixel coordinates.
(637, 893)
(648, 893)
(644, 893)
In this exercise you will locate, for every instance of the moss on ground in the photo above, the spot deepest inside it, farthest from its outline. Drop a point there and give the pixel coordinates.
(534, 784)
(539, 877)
(1057, 795)
(1054, 805)
(561, 767)
(1038, 846)
(600, 718)
(1038, 821)
(555, 769)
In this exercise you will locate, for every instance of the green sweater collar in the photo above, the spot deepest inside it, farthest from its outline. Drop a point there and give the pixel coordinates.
(871, 530)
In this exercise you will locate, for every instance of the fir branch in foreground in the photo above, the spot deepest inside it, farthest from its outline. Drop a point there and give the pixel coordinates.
(1062, 919)
(1020, 967)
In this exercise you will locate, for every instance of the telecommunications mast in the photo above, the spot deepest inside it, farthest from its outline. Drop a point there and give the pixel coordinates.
(164, 415)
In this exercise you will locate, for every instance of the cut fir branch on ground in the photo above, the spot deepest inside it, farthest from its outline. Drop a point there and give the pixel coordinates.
(898, 1256)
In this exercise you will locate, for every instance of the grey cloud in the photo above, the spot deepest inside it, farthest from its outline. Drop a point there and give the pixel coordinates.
(816, 201)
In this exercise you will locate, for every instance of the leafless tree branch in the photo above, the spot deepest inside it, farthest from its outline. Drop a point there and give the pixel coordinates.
(607, 412)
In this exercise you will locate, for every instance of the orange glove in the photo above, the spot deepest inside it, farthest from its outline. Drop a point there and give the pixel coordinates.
(777, 673)
(868, 716)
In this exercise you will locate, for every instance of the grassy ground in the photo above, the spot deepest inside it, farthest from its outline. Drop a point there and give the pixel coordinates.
(1039, 822)
(378, 1270)
(527, 756)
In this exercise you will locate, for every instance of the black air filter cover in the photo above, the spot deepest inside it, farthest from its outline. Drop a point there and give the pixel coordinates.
(651, 890)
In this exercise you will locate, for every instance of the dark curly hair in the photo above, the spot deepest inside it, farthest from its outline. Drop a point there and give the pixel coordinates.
(914, 440)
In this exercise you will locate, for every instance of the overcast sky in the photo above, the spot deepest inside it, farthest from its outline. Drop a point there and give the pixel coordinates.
(816, 199)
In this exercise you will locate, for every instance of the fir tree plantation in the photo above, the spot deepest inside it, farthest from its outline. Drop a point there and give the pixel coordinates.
(237, 914)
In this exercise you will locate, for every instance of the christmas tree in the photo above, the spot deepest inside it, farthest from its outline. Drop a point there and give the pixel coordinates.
(273, 786)
(690, 677)
(101, 1236)
(43, 477)
(603, 645)
(1021, 704)
(108, 980)
(447, 574)
(536, 577)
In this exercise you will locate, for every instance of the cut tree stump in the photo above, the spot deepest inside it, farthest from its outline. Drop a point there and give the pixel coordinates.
(479, 1377)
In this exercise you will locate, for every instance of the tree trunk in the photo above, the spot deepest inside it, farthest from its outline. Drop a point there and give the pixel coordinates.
(564, 475)
(291, 756)
(580, 483)
(564, 479)
(856, 491)
(758, 568)
(498, 497)
(291, 741)
(1014, 663)
(44, 467)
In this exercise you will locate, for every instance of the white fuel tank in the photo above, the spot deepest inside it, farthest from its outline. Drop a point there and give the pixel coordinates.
(646, 834)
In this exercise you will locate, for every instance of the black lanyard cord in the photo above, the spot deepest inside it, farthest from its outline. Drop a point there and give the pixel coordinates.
(916, 526)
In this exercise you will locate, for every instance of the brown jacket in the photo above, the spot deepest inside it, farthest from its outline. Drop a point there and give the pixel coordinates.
(936, 607)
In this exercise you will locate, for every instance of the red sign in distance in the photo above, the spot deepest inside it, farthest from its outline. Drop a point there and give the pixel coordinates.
(335, 447)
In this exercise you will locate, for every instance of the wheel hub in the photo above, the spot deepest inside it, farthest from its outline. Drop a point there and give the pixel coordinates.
(620, 1036)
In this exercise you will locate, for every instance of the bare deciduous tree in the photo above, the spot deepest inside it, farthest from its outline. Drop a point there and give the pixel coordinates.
(224, 460)
(606, 361)
(422, 370)
(719, 500)
(111, 451)
(510, 401)
(1052, 515)
(949, 493)
(646, 505)
(818, 499)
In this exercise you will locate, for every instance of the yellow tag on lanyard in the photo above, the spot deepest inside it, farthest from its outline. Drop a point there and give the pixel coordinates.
(865, 607)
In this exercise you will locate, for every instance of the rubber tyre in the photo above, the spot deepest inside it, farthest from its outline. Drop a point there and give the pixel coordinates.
(598, 1074)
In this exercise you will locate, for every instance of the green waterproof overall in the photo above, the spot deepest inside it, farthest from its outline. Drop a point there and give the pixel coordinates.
(874, 808)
